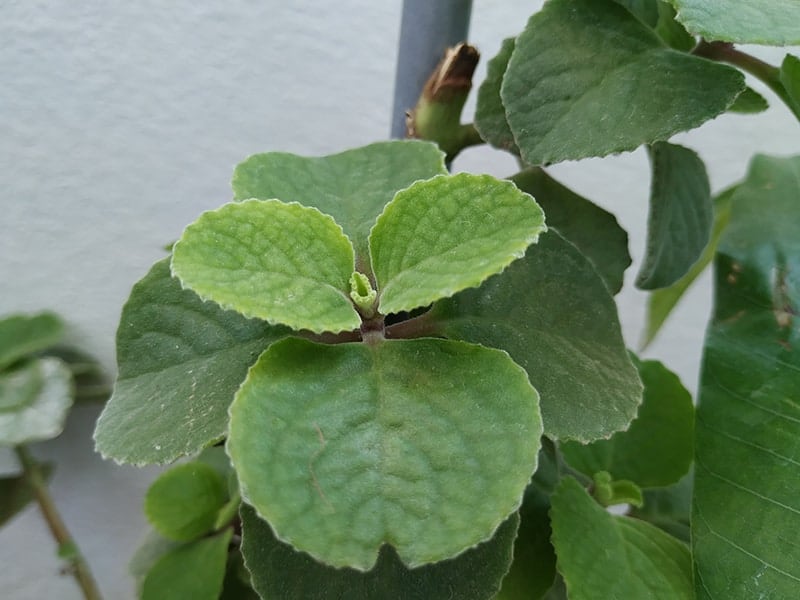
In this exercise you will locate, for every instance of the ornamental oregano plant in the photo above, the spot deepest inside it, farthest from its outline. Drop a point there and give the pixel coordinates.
(394, 382)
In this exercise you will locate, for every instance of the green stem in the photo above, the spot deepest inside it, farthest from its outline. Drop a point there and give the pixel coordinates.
(765, 72)
(79, 567)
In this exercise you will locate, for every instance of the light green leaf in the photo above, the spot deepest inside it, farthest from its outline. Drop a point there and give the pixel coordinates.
(772, 22)
(663, 300)
(285, 263)
(352, 187)
(790, 78)
(588, 79)
(749, 102)
(748, 417)
(194, 570)
(180, 362)
(281, 573)
(681, 212)
(16, 493)
(605, 556)
(35, 399)
(554, 315)
(447, 234)
(611, 492)
(182, 503)
(423, 444)
(594, 231)
(657, 449)
(152, 548)
(668, 508)
(490, 114)
(21, 335)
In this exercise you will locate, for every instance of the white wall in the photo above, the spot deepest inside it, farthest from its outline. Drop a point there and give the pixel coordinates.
(121, 121)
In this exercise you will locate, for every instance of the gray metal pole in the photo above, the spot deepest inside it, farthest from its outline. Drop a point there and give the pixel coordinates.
(427, 28)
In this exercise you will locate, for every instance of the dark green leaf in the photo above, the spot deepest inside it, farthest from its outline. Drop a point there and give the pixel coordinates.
(668, 508)
(669, 30)
(21, 335)
(644, 10)
(790, 78)
(746, 512)
(281, 573)
(15, 493)
(771, 22)
(180, 362)
(554, 315)
(749, 102)
(490, 114)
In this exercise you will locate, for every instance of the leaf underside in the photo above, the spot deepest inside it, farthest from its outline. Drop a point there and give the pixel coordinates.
(743, 21)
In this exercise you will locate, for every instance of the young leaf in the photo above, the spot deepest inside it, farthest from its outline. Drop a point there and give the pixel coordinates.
(605, 556)
(588, 79)
(447, 234)
(742, 21)
(490, 114)
(281, 573)
(657, 448)
(679, 223)
(353, 186)
(21, 335)
(554, 315)
(35, 398)
(194, 570)
(180, 362)
(748, 418)
(347, 447)
(182, 504)
(749, 102)
(149, 552)
(594, 231)
(16, 493)
(285, 263)
(790, 78)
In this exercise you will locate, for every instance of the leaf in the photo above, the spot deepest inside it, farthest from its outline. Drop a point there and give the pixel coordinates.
(22, 335)
(743, 21)
(279, 572)
(790, 78)
(182, 503)
(748, 417)
(681, 212)
(657, 449)
(490, 114)
(605, 556)
(669, 30)
(555, 317)
(749, 102)
(16, 494)
(35, 399)
(194, 570)
(285, 263)
(180, 362)
(588, 79)
(595, 232)
(644, 10)
(662, 301)
(352, 187)
(423, 444)
(668, 508)
(449, 233)
(152, 548)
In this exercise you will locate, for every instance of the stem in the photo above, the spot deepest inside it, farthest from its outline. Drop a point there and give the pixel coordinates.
(765, 72)
(78, 566)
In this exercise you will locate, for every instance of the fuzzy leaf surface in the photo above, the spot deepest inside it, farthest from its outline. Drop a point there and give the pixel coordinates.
(587, 78)
(490, 114)
(181, 360)
(287, 264)
(281, 573)
(21, 335)
(423, 444)
(352, 186)
(772, 22)
(553, 314)
(747, 447)
(605, 556)
(447, 234)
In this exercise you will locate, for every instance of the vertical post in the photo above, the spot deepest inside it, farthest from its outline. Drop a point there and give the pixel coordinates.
(427, 28)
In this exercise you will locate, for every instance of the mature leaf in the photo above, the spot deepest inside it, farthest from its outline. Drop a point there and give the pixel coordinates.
(35, 399)
(749, 102)
(194, 570)
(595, 231)
(16, 493)
(555, 317)
(447, 234)
(744, 21)
(285, 263)
(352, 187)
(423, 444)
(490, 114)
(668, 508)
(281, 573)
(182, 504)
(657, 449)
(21, 335)
(790, 78)
(588, 79)
(662, 301)
(670, 30)
(679, 223)
(748, 419)
(180, 362)
(644, 10)
(237, 584)
(605, 556)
